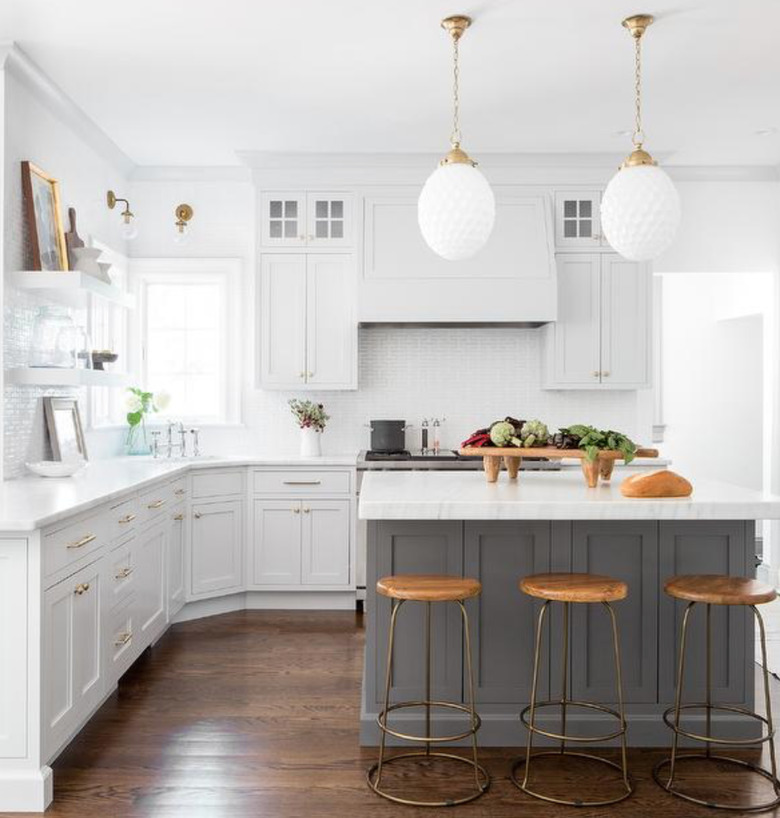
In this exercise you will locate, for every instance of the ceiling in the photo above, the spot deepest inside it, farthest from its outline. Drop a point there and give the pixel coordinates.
(185, 82)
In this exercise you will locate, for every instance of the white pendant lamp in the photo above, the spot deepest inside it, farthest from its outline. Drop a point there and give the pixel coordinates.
(640, 209)
(456, 208)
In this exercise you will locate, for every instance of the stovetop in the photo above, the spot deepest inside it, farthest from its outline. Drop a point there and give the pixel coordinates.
(445, 459)
(442, 456)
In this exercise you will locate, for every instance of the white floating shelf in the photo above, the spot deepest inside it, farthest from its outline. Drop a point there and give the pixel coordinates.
(51, 376)
(72, 288)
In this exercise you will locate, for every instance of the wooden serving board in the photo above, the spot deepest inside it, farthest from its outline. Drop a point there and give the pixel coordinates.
(492, 457)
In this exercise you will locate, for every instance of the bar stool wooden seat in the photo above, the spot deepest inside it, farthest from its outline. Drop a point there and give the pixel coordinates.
(716, 589)
(571, 588)
(430, 589)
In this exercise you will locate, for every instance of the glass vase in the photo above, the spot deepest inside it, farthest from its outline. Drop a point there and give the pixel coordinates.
(136, 442)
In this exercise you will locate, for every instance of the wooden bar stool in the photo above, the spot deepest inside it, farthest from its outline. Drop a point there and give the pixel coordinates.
(428, 589)
(715, 589)
(568, 589)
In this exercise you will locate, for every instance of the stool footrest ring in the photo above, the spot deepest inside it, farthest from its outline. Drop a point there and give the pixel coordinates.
(520, 762)
(448, 802)
(476, 722)
(667, 785)
(573, 703)
(728, 708)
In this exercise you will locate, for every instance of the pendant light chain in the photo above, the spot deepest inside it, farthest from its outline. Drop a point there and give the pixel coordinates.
(455, 136)
(638, 136)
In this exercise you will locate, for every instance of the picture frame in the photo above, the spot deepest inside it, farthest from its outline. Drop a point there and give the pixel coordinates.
(63, 423)
(44, 219)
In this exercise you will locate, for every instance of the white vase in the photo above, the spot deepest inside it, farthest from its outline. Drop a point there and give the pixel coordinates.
(310, 442)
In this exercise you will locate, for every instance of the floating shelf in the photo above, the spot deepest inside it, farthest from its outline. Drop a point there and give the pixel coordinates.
(72, 288)
(43, 376)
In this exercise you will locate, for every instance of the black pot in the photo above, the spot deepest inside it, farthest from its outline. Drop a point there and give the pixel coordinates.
(388, 435)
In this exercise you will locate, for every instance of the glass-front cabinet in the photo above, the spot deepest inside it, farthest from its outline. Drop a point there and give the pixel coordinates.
(318, 219)
(577, 220)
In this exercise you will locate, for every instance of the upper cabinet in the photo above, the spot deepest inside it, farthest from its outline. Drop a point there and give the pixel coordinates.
(601, 339)
(319, 219)
(308, 333)
(578, 220)
(512, 278)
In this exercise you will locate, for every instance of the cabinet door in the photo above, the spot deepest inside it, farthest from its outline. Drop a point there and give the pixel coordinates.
(627, 551)
(151, 588)
(216, 547)
(573, 341)
(277, 542)
(329, 220)
(72, 663)
(176, 561)
(283, 319)
(331, 324)
(283, 219)
(577, 219)
(325, 542)
(626, 300)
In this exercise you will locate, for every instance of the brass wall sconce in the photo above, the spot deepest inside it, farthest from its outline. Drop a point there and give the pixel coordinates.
(184, 213)
(129, 229)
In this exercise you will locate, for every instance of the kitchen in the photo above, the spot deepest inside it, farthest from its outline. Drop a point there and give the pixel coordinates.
(279, 252)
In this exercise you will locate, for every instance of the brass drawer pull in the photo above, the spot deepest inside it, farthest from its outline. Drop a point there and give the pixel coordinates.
(156, 504)
(81, 588)
(83, 541)
(178, 517)
(123, 639)
(302, 482)
(124, 573)
(126, 519)
(179, 492)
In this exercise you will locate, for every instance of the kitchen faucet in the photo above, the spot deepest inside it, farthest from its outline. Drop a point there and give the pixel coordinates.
(178, 427)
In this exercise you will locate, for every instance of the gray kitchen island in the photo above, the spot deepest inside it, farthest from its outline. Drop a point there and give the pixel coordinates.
(456, 523)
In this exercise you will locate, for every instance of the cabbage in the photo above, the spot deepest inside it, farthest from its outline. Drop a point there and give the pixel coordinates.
(534, 433)
(503, 434)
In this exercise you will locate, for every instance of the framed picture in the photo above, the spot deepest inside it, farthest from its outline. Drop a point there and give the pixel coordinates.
(44, 222)
(63, 422)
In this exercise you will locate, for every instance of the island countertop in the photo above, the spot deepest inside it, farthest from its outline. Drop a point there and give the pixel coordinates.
(547, 496)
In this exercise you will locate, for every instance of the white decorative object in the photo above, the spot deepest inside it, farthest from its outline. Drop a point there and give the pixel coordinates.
(104, 268)
(456, 211)
(56, 468)
(456, 208)
(310, 442)
(87, 260)
(640, 212)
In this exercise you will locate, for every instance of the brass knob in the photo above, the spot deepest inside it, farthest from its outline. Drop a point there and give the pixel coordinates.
(306, 510)
(310, 375)
(197, 515)
(605, 374)
(296, 510)
(302, 375)
(595, 373)
(82, 588)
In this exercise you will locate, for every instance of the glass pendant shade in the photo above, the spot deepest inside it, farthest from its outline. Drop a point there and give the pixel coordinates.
(456, 211)
(640, 212)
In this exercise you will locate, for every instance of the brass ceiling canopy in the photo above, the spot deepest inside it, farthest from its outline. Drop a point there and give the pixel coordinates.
(637, 24)
(456, 25)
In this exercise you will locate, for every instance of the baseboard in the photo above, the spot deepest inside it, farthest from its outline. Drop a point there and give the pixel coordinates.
(267, 601)
(26, 790)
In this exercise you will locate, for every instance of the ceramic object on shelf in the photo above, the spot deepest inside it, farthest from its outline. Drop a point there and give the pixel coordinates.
(102, 357)
(310, 442)
(86, 259)
(56, 468)
(104, 268)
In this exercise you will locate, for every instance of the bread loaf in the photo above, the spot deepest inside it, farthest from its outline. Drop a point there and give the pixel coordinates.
(661, 483)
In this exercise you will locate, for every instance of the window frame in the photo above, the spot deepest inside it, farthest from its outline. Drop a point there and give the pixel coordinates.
(228, 274)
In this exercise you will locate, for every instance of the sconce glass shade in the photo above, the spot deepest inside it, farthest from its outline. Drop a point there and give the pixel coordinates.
(456, 211)
(640, 212)
(128, 230)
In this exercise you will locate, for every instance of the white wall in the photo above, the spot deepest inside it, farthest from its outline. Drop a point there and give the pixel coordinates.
(40, 127)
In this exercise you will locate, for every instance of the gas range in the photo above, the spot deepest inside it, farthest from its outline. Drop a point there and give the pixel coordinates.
(446, 459)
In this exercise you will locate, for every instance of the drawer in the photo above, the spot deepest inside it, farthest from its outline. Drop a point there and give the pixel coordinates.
(179, 490)
(121, 572)
(121, 649)
(301, 483)
(154, 502)
(122, 518)
(67, 543)
(217, 484)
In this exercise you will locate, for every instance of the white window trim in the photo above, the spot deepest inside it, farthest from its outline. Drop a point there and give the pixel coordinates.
(229, 272)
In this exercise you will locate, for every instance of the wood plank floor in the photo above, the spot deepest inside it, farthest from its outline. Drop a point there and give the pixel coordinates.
(255, 714)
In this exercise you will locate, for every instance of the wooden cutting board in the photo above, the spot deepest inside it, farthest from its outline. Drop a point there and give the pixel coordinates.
(72, 238)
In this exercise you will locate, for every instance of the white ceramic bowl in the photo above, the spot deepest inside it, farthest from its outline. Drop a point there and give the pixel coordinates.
(56, 468)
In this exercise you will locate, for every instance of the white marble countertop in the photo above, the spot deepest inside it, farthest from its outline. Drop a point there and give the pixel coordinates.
(33, 502)
(546, 496)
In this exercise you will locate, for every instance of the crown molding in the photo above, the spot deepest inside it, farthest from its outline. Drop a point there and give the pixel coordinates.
(175, 173)
(19, 65)
(724, 173)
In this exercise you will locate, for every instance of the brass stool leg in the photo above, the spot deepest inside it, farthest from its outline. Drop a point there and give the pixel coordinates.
(678, 695)
(619, 683)
(427, 676)
(708, 679)
(472, 705)
(767, 699)
(395, 606)
(534, 687)
(565, 680)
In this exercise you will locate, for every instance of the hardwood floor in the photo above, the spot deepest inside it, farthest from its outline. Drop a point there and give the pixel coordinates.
(255, 714)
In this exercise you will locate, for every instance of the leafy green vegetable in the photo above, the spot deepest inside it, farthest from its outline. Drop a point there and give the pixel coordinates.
(534, 433)
(594, 440)
(503, 434)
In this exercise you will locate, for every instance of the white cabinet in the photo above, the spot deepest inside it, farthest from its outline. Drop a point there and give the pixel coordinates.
(314, 219)
(308, 331)
(578, 220)
(512, 278)
(301, 542)
(151, 586)
(72, 658)
(602, 337)
(216, 543)
(176, 560)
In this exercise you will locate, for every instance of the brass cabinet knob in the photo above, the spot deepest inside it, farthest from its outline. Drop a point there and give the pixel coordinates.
(296, 510)
(595, 373)
(605, 374)
(302, 375)
(197, 515)
(310, 375)
(81, 588)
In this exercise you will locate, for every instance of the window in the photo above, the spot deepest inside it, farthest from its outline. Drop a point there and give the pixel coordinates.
(189, 328)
